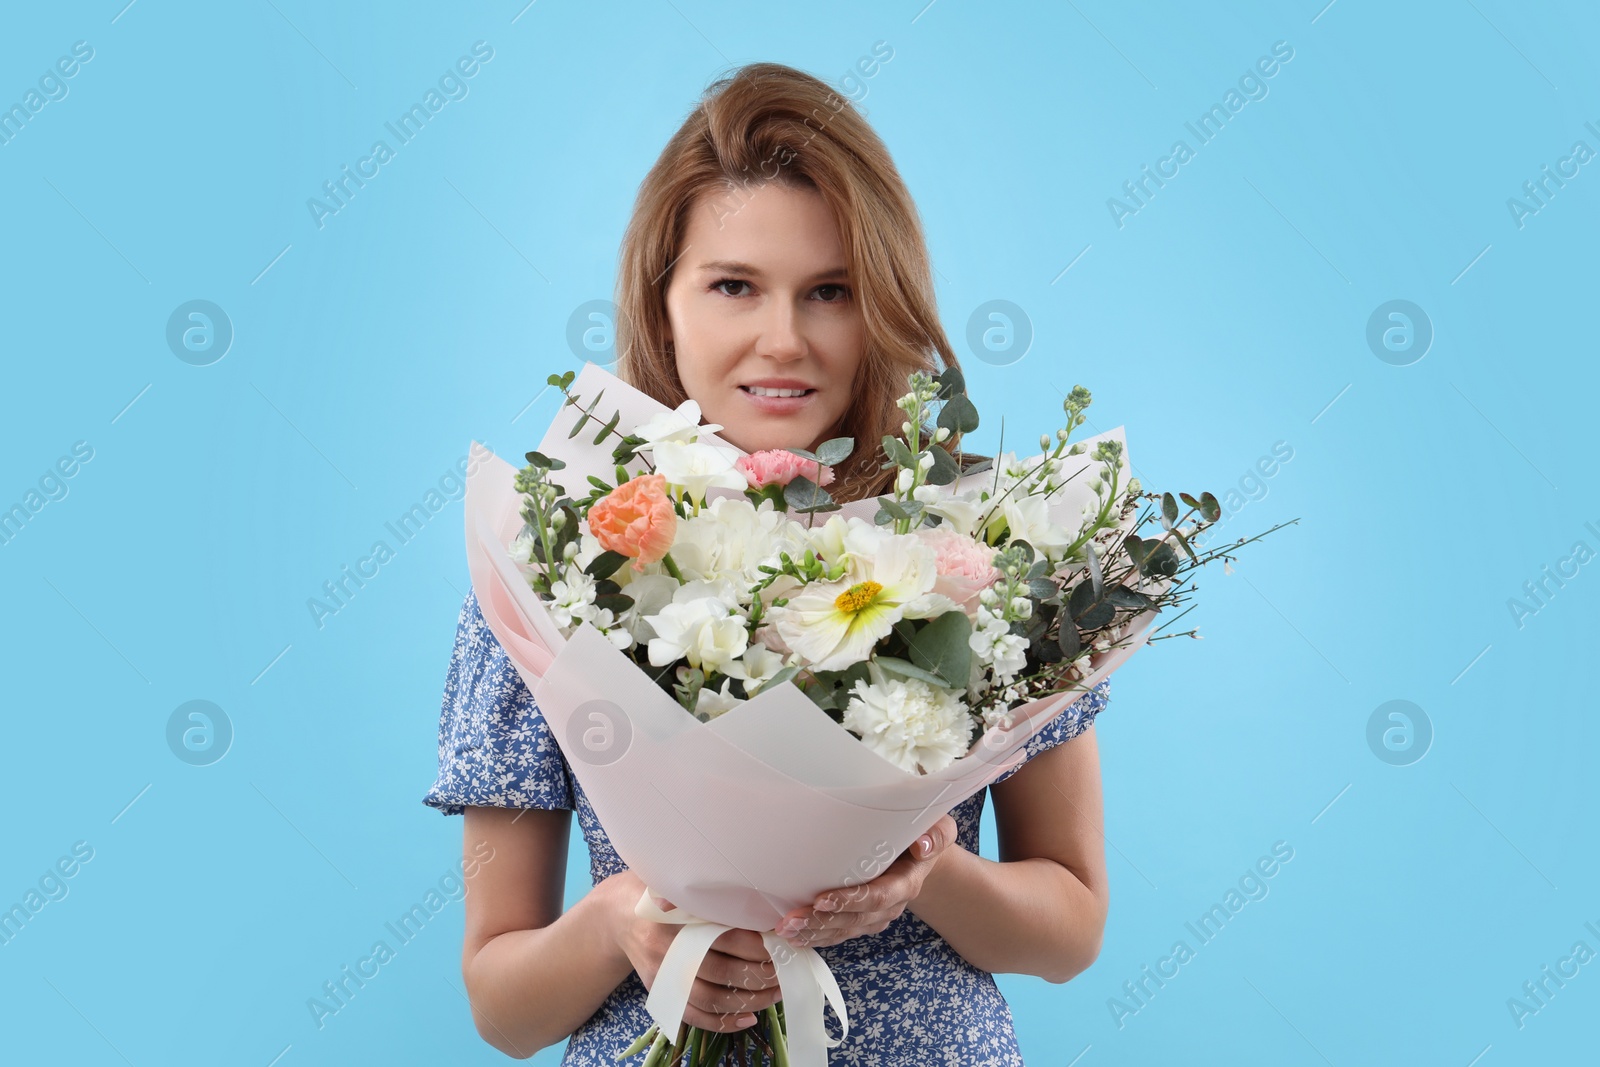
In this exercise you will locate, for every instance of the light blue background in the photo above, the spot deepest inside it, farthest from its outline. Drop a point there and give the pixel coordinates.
(1227, 315)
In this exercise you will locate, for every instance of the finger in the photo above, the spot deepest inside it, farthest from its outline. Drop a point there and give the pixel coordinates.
(940, 836)
(719, 1002)
(745, 944)
(735, 972)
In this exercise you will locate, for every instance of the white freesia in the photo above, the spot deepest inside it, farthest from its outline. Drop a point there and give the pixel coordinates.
(709, 703)
(758, 667)
(697, 466)
(960, 511)
(701, 631)
(835, 624)
(1028, 519)
(680, 424)
(912, 724)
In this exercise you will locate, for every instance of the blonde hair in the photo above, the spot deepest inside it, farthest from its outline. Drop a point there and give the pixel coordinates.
(767, 122)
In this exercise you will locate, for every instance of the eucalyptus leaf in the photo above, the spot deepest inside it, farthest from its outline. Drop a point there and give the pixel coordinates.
(1210, 510)
(941, 647)
(898, 452)
(1169, 510)
(836, 449)
(944, 470)
(1087, 609)
(803, 495)
(786, 674)
(907, 669)
(1068, 640)
(959, 415)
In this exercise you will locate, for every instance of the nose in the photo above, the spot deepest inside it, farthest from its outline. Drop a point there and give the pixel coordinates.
(782, 333)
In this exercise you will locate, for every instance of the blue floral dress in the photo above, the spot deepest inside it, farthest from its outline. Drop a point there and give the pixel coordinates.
(912, 999)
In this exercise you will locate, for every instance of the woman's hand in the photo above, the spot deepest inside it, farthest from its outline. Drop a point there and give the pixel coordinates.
(736, 978)
(869, 907)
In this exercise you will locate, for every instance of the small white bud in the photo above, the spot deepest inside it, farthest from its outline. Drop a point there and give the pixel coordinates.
(926, 461)
(902, 481)
(941, 434)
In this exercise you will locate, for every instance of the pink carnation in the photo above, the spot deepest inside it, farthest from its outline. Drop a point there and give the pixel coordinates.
(964, 564)
(774, 466)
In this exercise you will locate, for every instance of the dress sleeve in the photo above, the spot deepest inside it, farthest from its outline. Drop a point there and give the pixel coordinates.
(495, 748)
(1075, 718)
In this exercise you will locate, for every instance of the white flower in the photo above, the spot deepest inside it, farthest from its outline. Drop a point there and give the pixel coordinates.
(841, 538)
(961, 511)
(702, 631)
(574, 599)
(760, 663)
(996, 646)
(680, 424)
(1028, 518)
(697, 466)
(835, 624)
(710, 703)
(521, 549)
(912, 724)
(731, 538)
(650, 593)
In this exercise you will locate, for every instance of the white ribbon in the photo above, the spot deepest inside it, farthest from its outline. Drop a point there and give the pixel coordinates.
(803, 978)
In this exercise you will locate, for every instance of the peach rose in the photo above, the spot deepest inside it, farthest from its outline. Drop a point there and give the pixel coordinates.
(774, 466)
(636, 519)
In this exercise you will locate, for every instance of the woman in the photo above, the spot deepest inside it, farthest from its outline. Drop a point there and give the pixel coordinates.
(775, 272)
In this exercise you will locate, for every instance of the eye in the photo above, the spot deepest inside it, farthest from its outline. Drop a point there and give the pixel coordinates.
(842, 290)
(719, 283)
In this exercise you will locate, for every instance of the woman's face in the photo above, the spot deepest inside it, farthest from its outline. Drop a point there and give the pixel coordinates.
(760, 303)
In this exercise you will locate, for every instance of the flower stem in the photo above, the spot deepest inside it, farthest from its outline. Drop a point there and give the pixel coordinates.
(672, 567)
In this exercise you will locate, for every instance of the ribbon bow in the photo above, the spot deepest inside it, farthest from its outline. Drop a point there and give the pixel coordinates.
(803, 978)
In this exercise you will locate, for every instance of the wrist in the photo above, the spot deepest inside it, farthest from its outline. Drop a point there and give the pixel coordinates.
(616, 896)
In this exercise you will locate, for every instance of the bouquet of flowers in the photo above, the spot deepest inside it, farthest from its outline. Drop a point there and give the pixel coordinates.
(940, 625)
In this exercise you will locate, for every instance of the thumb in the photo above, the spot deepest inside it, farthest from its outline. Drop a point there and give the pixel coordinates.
(940, 836)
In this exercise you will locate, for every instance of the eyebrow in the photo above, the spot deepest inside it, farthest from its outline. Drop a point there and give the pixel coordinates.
(733, 266)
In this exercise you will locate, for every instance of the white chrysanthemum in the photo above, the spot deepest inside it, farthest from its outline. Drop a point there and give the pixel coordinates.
(680, 424)
(701, 631)
(697, 466)
(912, 724)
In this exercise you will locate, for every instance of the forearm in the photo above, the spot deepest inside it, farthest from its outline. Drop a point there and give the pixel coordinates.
(1029, 916)
(532, 988)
